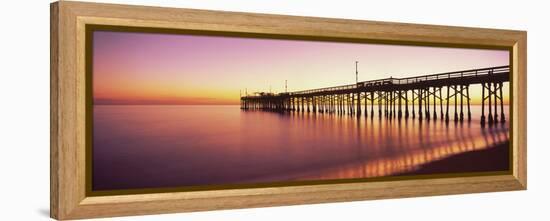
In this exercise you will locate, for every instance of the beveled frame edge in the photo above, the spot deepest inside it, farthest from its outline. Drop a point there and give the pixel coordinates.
(67, 114)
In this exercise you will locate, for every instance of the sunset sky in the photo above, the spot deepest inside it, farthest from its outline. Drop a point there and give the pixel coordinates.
(145, 68)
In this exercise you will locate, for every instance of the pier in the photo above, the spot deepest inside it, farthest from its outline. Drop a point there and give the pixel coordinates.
(425, 97)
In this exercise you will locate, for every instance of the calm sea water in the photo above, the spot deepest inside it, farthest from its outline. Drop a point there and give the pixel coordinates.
(147, 146)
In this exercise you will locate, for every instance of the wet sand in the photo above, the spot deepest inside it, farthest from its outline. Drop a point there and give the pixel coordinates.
(491, 159)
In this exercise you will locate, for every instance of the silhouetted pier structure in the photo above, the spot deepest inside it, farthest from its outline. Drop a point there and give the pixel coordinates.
(396, 98)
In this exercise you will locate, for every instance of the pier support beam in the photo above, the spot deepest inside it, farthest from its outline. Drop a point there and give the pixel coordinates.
(406, 104)
(366, 107)
(456, 103)
(441, 103)
(358, 104)
(420, 104)
(302, 100)
(495, 86)
(490, 95)
(371, 104)
(379, 104)
(461, 103)
(399, 97)
(412, 104)
(427, 102)
(482, 105)
(391, 100)
(468, 101)
(502, 118)
(315, 104)
(447, 110)
(435, 103)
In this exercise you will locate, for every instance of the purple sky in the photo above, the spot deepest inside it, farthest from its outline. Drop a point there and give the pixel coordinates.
(185, 69)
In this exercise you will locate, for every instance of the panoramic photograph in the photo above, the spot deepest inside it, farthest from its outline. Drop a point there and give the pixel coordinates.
(188, 110)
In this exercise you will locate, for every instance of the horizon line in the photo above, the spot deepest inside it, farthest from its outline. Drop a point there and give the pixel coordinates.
(476, 104)
(106, 104)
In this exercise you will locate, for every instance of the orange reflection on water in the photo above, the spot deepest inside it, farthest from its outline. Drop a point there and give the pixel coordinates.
(170, 146)
(413, 160)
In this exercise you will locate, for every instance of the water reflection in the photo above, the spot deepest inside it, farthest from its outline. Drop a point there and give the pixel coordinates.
(391, 147)
(172, 146)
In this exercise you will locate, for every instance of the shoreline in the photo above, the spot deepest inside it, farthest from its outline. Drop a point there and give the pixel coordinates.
(495, 158)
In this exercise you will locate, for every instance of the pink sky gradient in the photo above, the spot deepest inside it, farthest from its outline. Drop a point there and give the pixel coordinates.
(145, 68)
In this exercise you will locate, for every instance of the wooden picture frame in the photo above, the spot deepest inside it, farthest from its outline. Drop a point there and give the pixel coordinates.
(69, 198)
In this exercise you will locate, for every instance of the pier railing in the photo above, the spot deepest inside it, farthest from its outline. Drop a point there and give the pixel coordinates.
(455, 75)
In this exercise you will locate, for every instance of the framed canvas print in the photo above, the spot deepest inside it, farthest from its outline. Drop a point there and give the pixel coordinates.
(159, 110)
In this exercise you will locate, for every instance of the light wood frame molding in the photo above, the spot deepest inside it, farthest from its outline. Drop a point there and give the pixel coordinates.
(67, 155)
